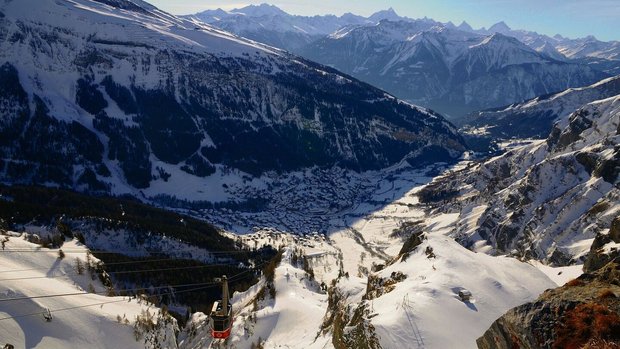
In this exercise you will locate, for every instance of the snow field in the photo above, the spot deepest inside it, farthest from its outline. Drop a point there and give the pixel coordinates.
(80, 321)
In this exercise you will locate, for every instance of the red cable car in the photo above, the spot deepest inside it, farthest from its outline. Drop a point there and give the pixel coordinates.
(221, 314)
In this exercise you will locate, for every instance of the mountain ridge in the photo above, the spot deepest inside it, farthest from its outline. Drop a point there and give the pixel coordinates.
(139, 118)
(380, 49)
(445, 69)
(534, 118)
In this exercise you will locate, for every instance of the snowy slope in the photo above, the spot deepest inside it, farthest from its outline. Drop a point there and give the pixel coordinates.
(558, 46)
(542, 201)
(425, 310)
(535, 117)
(268, 24)
(80, 321)
(545, 200)
(252, 20)
(589, 47)
(422, 310)
(415, 58)
(292, 319)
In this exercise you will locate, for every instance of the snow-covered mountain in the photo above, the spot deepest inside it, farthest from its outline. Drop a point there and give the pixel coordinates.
(117, 96)
(545, 200)
(588, 47)
(600, 55)
(270, 25)
(535, 117)
(447, 69)
(414, 58)
(360, 287)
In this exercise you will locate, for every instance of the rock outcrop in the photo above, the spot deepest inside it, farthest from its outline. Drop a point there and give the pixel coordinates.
(584, 313)
(604, 248)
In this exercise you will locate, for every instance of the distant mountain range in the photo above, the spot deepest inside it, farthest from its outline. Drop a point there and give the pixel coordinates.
(452, 69)
(116, 96)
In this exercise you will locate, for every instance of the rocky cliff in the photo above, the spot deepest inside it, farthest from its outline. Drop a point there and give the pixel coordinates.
(584, 313)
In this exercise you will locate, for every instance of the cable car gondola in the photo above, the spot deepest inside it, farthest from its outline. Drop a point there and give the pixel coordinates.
(221, 314)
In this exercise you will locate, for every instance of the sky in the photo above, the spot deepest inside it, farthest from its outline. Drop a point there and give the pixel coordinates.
(570, 18)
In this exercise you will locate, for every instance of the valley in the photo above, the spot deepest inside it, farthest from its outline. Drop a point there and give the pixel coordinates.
(362, 243)
(345, 248)
(249, 178)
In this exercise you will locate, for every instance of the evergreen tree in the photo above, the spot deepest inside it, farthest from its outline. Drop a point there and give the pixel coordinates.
(79, 266)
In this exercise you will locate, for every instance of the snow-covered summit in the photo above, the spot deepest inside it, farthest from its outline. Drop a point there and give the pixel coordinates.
(465, 26)
(450, 70)
(500, 27)
(261, 10)
(104, 20)
(550, 51)
(388, 14)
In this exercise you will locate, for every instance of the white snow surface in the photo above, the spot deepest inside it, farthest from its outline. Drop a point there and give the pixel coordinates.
(421, 311)
(79, 321)
(564, 206)
(291, 320)
(560, 104)
(425, 309)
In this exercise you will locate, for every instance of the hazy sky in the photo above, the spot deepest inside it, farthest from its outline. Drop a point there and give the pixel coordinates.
(572, 18)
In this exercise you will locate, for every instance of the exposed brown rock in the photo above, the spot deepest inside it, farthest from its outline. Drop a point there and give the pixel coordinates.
(583, 313)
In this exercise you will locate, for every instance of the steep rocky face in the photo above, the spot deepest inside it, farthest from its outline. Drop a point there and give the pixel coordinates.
(605, 248)
(535, 118)
(349, 324)
(545, 200)
(584, 313)
(118, 94)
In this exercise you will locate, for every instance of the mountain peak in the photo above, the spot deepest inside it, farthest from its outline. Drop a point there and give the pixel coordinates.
(465, 26)
(496, 39)
(500, 27)
(261, 10)
(550, 51)
(388, 14)
(591, 38)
